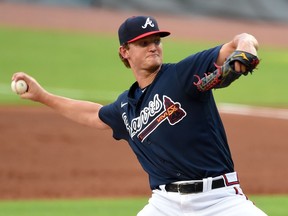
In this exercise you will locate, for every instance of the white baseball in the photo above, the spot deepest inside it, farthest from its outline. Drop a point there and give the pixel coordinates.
(19, 87)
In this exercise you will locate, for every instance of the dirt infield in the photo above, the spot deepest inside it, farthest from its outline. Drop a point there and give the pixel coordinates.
(43, 155)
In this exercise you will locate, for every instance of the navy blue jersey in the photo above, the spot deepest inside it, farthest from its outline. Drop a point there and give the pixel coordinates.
(175, 130)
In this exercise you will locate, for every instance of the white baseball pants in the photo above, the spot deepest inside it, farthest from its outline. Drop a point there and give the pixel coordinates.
(225, 201)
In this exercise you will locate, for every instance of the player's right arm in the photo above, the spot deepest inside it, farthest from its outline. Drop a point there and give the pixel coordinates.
(83, 112)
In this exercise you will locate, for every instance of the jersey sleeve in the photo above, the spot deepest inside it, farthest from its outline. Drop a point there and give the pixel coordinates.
(111, 115)
(196, 64)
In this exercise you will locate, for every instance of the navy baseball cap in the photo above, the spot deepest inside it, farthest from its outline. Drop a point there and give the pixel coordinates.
(137, 27)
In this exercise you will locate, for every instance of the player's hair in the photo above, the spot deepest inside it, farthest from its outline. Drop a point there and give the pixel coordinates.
(124, 60)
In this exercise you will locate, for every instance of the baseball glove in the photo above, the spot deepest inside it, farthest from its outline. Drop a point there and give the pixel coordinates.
(224, 75)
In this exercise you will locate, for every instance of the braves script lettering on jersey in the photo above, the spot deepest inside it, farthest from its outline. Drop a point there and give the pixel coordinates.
(149, 111)
(172, 111)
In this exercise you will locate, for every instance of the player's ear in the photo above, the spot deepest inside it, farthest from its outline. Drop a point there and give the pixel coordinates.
(123, 55)
(123, 51)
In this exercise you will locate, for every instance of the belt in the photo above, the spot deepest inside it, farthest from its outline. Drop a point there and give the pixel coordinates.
(195, 187)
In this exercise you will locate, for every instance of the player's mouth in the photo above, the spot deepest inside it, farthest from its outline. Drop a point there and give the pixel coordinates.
(153, 55)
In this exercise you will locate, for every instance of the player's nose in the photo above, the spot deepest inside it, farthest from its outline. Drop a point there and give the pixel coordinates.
(152, 47)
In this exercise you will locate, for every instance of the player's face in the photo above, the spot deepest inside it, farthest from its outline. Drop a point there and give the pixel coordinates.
(146, 53)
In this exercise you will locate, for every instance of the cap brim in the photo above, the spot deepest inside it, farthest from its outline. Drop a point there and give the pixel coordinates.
(161, 33)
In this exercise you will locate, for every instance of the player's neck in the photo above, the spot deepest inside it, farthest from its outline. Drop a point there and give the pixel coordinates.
(145, 78)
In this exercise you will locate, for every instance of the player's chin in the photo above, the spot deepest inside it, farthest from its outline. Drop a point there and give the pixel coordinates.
(153, 68)
(154, 62)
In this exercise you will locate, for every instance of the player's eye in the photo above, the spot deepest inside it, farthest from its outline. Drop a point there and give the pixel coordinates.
(145, 43)
(157, 41)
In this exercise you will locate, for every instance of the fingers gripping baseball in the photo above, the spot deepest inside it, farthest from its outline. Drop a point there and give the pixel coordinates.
(26, 86)
(19, 86)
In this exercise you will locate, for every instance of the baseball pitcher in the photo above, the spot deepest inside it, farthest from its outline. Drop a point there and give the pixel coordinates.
(170, 120)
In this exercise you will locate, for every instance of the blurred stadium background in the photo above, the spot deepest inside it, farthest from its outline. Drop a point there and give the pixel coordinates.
(260, 10)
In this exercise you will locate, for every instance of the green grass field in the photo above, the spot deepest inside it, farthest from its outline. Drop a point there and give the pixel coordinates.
(272, 205)
(87, 67)
(84, 66)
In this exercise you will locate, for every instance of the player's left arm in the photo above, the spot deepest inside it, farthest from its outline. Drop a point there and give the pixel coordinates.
(242, 42)
(235, 58)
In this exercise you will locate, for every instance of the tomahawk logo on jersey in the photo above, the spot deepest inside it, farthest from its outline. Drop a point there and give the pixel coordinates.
(163, 110)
